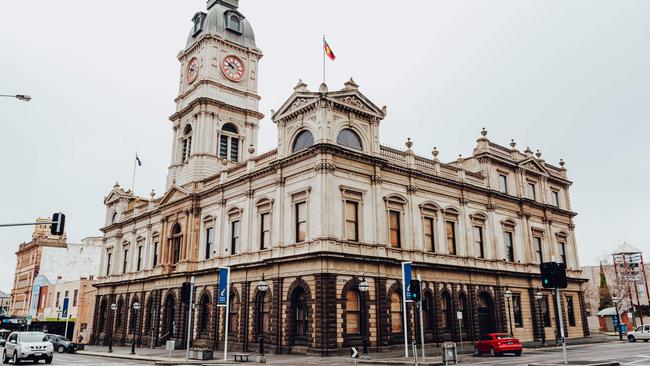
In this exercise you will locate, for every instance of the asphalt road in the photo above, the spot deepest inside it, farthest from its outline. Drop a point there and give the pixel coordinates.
(633, 354)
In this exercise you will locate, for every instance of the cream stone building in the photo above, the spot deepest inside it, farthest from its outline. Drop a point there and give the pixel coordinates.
(329, 207)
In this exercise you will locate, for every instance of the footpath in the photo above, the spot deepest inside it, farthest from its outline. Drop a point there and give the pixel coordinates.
(160, 356)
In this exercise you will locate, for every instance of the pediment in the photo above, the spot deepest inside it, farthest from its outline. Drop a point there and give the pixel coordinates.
(114, 195)
(534, 166)
(174, 194)
(346, 99)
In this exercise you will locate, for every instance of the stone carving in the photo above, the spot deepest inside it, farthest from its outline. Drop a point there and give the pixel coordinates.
(352, 101)
(298, 103)
(375, 179)
(325, 168)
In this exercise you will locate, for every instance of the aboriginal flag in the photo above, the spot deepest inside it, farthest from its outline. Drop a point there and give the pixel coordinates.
(328, 50)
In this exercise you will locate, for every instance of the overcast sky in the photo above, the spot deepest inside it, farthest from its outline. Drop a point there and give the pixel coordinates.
(570, 78)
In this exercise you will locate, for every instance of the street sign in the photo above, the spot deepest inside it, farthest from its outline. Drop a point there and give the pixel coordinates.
(170, 345)
(459, 315)
(222, 298)
(64, 312)
(355, 353)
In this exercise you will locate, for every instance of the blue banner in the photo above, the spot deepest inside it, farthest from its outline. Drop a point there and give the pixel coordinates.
(222, 297)
(406, 277)
(64, 312)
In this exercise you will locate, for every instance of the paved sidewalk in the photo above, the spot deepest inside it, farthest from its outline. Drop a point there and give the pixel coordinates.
(392, 357)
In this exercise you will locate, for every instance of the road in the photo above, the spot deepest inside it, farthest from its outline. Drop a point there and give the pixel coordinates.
(629, 354)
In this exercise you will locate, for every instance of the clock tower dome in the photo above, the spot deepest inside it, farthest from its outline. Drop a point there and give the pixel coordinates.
(217, 119)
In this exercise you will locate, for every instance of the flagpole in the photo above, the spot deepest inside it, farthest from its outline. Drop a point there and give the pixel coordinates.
(323, 58)
(135, 162)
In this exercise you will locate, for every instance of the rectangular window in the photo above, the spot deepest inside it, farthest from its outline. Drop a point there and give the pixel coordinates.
(234, 149)
(108, 263)
(531, 191)
(234, 236)
(223, 147)
(352, 220)
(570, 312)
(429, 241)
(562, 248)
(537, 241)
(503, 183)
(451, 237)
(265, 230)
(139, 264)
(301, 222)
(125, 262)
(155, 254)
(75, 295)
(208, 242)
(546, 312)
(516, 310)
(395, 229)
(555, 195)
(510, 252)
(478, 241)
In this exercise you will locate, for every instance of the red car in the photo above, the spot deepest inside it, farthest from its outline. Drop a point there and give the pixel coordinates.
(497, 344)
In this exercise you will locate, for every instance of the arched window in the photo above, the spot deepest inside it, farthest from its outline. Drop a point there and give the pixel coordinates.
(118, 313)
(349, 138)
(149, 315)
(176, 238)
(352, 313)
(299, 305)
(462, 303)
(229, 142)
(264, 309)
(186, 143)
(427, 308)
(234, 23)
(133, 317)
(114, 217)
(446, 311)
(233, 313)
(102, 315)
(303, 140)
(204, 313)
(396, 312)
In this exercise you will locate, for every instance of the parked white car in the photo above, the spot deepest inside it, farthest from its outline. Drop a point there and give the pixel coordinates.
(641, 333)
(32, 346)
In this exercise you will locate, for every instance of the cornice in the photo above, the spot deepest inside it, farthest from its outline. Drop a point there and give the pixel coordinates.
(209, 101)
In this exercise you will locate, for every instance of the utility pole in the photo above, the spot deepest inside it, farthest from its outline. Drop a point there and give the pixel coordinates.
(190, 306)
(559, 312)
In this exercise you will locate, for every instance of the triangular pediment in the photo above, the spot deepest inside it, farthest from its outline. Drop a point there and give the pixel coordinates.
(534, 166)
(114, 195)
(174, 194)
(354, 100)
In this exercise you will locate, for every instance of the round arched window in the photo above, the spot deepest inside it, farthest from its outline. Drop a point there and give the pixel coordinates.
(304, 140)
(349, 138)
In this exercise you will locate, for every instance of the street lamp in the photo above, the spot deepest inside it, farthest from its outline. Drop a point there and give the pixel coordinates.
(25, 98)
(508, 295)
(136, 307)
(262, 287)
(539, 296)
(363, 288)
(110, 336)
(615, 299)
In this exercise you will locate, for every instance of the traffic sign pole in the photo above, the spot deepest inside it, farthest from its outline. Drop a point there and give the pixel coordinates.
(559, 313)
(421, 323)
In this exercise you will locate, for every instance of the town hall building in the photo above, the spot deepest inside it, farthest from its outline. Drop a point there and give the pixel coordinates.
(329, 208)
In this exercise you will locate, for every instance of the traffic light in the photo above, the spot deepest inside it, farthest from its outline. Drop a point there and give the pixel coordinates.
(185, 292)
(58, 224)
(416, 291)
(553, 275)
(547, 270)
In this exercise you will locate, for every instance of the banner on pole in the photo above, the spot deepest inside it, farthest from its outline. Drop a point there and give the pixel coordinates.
(406, 277)
(64, 312)
(224, 281)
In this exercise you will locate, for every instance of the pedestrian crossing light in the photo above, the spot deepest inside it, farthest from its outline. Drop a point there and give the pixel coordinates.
(416, 291)
(58, 224)
(553, 275)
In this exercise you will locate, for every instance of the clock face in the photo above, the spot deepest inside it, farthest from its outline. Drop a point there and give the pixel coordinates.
(232, 68)
(192, 70)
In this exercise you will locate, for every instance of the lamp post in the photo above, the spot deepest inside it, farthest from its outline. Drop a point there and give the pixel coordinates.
(110, 335)
(508, 295)
(23, 97)
(136, 307)
(539, 296)
(262, 287)
(363, 288)
(615, 299)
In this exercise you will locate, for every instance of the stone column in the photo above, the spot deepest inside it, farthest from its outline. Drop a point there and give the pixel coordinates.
(325, 314)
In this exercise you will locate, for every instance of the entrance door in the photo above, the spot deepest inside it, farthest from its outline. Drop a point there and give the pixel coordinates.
(299, 317)
(486, 322)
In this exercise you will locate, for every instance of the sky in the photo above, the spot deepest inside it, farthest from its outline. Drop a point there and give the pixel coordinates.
(570, 78)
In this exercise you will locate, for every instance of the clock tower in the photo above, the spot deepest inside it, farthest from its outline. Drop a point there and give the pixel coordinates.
(217, 119)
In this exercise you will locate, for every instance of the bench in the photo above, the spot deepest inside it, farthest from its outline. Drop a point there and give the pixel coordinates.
(241, 356)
